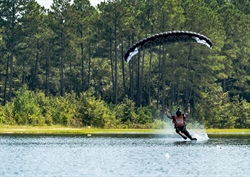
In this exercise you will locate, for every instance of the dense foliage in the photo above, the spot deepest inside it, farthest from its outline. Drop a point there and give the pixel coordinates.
(34, 108)
(65, 65)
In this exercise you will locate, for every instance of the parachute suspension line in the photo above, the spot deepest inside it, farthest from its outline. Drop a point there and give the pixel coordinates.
(188, 86)
(163, 77)
(149, 77)
(159, 77)
(142, 78)
(131, 72)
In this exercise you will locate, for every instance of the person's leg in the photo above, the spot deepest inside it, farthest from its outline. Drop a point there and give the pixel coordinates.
(184, 130)
(180, 133)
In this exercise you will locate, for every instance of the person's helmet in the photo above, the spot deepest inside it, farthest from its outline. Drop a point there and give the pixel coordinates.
(178, 112)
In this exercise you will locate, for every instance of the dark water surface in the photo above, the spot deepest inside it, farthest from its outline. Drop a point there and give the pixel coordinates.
(127, 155)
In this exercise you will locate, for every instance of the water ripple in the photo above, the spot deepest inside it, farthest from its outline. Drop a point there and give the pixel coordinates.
(122, 156)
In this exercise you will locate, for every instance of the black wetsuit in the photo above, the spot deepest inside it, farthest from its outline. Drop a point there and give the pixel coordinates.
(183, 130)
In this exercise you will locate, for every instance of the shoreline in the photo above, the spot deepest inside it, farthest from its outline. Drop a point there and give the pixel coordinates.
(72, 130)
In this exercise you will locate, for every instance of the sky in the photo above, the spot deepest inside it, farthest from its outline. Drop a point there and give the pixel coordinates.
(47, 3)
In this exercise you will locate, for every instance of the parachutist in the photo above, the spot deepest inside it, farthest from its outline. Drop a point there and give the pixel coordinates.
(179, 121)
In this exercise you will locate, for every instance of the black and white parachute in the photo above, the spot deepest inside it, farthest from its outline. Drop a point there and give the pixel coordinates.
(166, 37)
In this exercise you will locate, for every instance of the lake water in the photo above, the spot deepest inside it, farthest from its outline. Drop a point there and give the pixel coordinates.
(128, 155)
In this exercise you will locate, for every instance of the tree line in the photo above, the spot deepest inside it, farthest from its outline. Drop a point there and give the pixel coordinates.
(73, 52)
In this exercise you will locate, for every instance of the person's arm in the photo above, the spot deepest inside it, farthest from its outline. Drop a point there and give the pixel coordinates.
(187, 111)
(168, 114)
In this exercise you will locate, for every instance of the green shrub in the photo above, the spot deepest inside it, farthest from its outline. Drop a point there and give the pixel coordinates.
(6, 114)
(26, 110)
(144, 115)
(95, 112)
(126, 111)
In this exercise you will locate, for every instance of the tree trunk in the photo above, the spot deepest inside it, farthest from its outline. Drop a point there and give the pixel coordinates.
(138, 81)
(82, 67)
(116, 64)
(131, 75)
(89, 65)
(35, 70)
(6, 81)
(47, 75)
(62, 75)
(112, 68)
(123, 72)
(12, 50)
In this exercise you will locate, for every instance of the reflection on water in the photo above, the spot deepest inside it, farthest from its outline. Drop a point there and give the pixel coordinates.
(143, 155)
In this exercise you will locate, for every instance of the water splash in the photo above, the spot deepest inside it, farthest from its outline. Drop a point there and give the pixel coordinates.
(198, 131)
(200, 136)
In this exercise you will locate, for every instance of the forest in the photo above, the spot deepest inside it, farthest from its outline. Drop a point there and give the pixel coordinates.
(65, 65)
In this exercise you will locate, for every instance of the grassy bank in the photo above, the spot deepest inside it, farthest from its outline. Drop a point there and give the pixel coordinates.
(71, 130)
(227, 131)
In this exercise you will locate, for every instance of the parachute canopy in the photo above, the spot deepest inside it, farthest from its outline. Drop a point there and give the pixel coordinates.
(166, 37)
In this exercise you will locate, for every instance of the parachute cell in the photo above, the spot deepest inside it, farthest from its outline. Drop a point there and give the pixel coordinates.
(166, 37)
